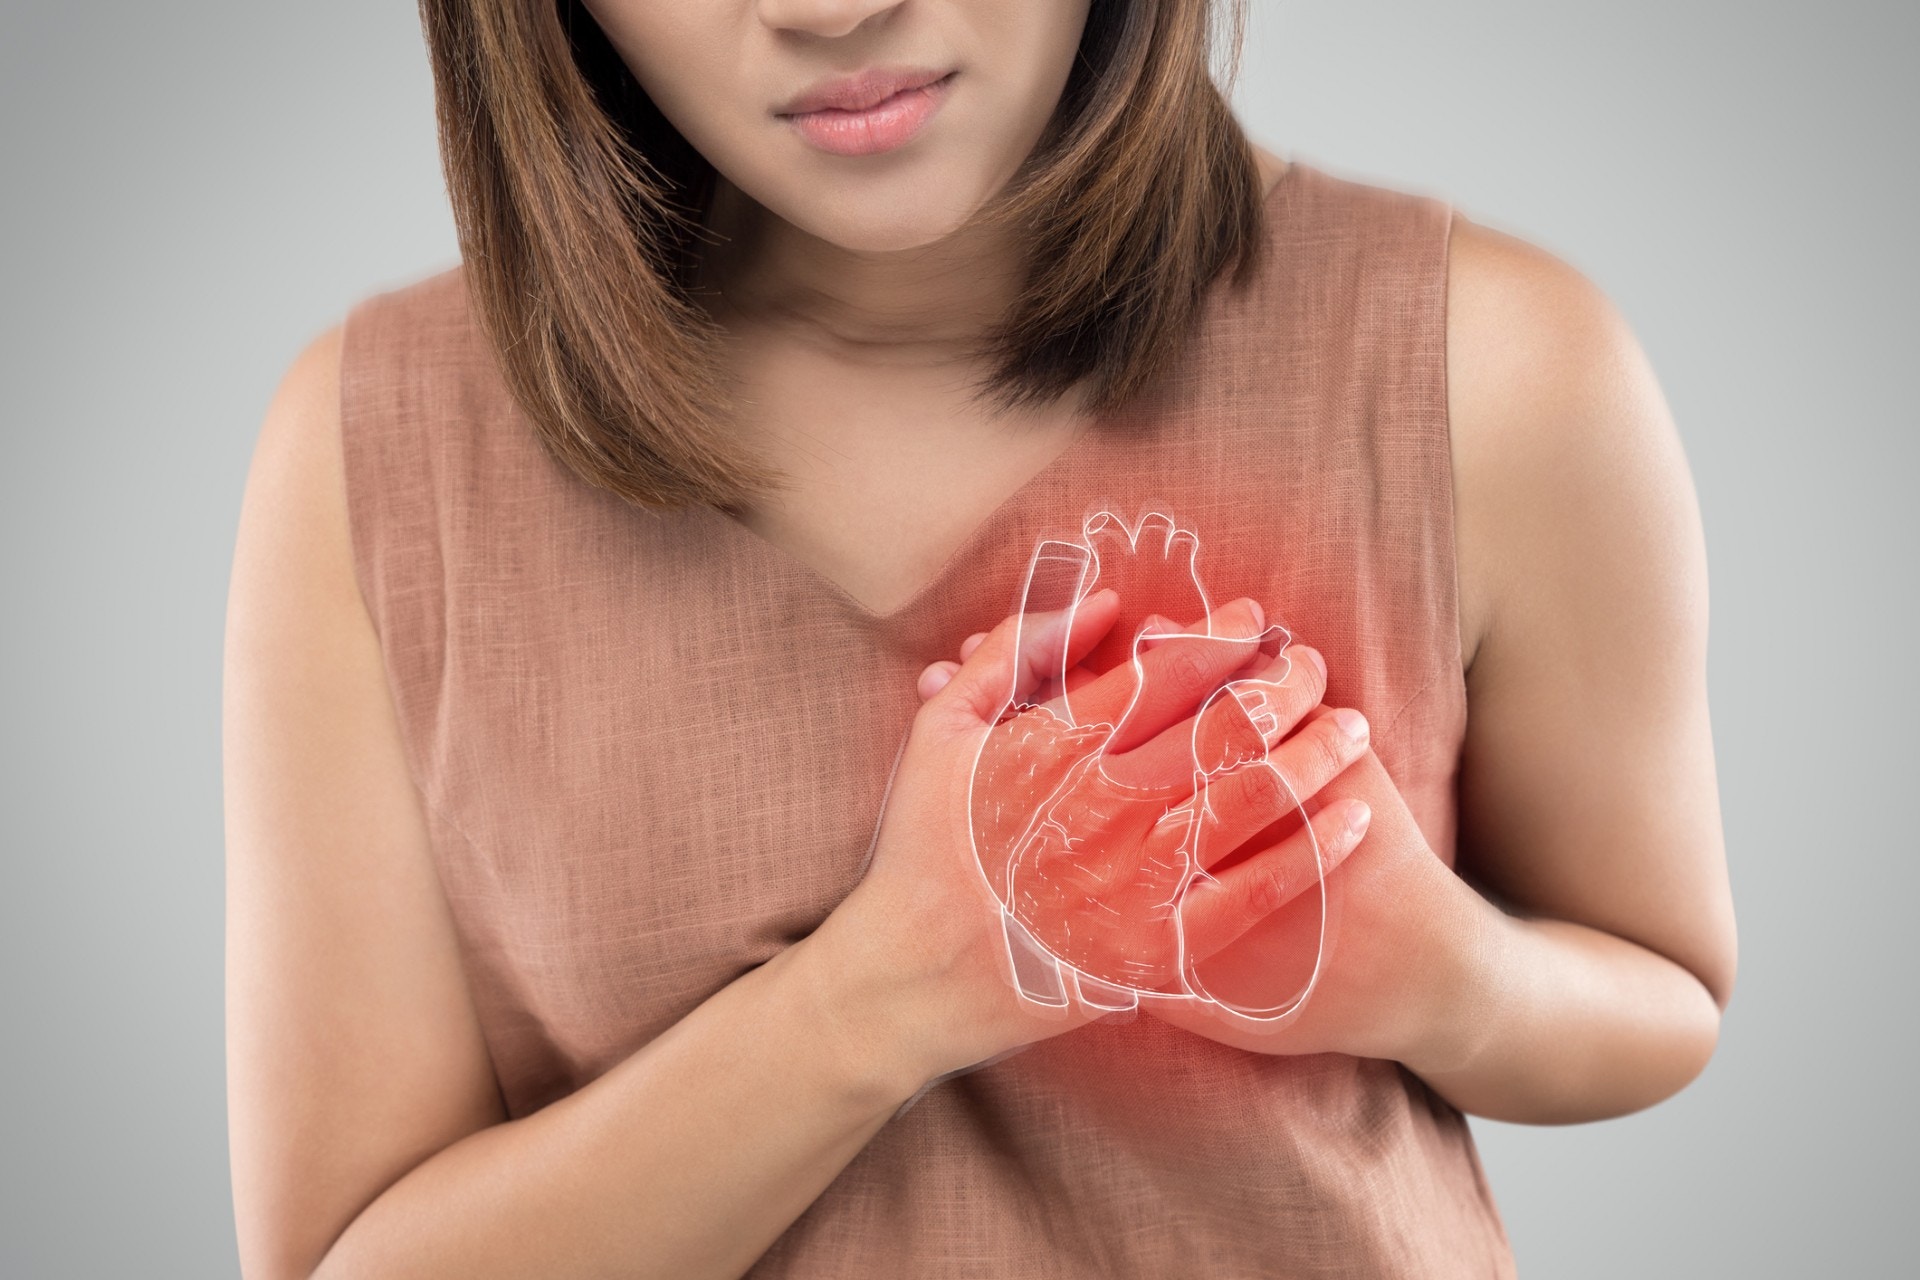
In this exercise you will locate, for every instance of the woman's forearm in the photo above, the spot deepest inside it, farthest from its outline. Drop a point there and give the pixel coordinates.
(1561, 1023)
(688, 1159)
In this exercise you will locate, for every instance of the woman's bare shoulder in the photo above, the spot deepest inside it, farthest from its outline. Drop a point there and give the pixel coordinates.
(297, 465)
(1549, 395)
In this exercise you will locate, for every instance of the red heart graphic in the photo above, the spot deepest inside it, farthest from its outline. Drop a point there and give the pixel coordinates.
(1091, 868)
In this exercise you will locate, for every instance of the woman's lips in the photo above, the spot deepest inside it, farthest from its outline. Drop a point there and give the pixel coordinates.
(880, 127)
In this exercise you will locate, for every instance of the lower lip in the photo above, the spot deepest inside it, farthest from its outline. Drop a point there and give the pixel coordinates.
(881, 127)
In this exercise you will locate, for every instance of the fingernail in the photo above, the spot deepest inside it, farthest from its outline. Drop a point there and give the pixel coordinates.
(1351, 723)
(1319, 663)
(1358, 815)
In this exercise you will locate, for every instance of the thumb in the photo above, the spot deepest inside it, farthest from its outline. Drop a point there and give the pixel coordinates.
(1020, 655)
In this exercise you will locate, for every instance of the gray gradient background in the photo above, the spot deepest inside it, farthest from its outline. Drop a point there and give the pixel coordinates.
(193, 191)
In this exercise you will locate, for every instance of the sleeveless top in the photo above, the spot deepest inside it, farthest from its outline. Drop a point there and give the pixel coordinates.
(653, 749)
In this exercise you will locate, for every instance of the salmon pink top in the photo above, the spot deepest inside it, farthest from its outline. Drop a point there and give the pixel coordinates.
(653, 748)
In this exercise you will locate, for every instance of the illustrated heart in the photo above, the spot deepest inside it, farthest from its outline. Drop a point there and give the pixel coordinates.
(1091, 863)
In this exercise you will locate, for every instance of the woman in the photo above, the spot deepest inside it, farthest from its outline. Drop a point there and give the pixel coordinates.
(584, 918)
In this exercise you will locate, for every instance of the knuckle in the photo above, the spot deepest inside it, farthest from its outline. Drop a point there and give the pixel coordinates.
(1260, 786)
(1295, 690)
(1325, 751)
(1269, 888)
(1256, 706)
(1186, 669)
(1252, 697)
(1283, 777)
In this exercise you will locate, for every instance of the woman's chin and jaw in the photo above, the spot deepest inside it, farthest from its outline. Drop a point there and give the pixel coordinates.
(878, 251)
(905, 200)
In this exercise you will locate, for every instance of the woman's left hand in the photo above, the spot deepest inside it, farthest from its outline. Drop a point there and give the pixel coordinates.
(1406, 941)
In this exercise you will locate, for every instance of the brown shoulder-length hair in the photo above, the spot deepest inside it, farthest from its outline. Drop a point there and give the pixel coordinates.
(579, 209)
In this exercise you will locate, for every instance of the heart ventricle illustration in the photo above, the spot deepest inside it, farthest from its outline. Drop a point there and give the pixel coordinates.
(1092, 869)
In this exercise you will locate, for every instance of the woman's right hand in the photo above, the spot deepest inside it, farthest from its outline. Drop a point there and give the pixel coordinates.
(917, 954)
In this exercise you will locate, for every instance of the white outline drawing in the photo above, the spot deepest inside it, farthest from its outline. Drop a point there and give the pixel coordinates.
(1061, 575)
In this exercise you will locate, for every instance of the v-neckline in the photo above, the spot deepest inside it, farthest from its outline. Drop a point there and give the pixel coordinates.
(1099, 427)
(1098, 424)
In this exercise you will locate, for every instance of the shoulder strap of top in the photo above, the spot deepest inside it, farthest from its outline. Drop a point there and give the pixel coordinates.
(1359, 311)
(1362, 317)
(414, 371)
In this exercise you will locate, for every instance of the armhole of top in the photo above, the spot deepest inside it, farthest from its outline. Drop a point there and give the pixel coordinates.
(371, 460)
(1450, 530)
(350, 406)
(1443, 572)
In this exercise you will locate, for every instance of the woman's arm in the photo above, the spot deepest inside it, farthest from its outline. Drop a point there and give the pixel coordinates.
(367, 1133)
(1589, 805)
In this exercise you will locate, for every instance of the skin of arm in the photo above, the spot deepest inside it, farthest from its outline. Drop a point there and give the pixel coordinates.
(1589, 808)
(368, 1137)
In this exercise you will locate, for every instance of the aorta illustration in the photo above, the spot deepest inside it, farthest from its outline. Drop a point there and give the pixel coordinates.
(1091, 865)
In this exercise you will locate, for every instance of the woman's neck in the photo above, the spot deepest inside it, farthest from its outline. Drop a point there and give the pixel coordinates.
(918, 305)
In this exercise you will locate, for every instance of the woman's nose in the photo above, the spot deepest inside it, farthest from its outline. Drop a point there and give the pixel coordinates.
(822, 17)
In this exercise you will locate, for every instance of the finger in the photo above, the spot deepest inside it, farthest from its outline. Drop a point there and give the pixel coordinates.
(1018, 655)
(1236, 806)
(935, 678)
(1154, 630)
(1263, 709)
(971, 643)
(1049, 694)
(1156, 627)
(1187, 669)
(1217, 910)
(1172, 678)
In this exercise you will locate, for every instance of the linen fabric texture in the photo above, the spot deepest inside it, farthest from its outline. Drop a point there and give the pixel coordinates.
(652, 748)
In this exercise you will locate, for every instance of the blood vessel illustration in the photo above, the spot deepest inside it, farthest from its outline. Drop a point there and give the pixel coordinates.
(1093, 864)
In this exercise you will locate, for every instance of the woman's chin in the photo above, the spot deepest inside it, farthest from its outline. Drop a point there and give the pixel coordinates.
(870, 230)
(885, 216)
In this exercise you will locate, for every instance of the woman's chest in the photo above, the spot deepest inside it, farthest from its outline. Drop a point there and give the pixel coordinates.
(888, 470)
(665, 743)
